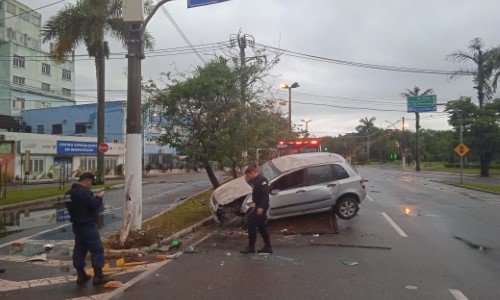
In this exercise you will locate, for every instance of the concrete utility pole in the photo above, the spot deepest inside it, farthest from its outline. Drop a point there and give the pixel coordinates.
(403, 142)
(417, 152)
(133, 15)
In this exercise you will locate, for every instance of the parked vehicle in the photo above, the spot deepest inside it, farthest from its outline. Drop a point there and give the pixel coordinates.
(299, 184)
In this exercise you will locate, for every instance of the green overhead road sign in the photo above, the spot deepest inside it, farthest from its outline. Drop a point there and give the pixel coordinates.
(422, 103)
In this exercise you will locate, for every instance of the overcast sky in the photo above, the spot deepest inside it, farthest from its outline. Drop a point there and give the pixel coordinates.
(399, 33)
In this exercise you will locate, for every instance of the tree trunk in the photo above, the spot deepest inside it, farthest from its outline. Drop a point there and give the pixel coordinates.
(485, 160)
(100, 74)
(211, 174)
(417, 151)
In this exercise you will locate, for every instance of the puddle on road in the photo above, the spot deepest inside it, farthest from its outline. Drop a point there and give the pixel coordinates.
(60, 251)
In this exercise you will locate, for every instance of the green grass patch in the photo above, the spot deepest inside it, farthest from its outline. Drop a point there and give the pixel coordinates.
(438, 167)
(24, 195)
(482, 186)
(182, 216)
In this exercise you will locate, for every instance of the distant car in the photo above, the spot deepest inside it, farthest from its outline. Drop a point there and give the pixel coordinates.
(298, 184)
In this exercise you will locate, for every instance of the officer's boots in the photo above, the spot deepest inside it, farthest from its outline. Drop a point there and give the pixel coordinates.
(249, 249)
(100, 278)
(267, 246)
(81, 275)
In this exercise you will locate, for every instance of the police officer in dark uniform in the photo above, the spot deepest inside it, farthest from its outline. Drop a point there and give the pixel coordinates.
(83, 207)
(258, 218)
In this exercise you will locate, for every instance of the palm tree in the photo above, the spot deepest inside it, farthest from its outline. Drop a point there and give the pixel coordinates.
(88, 22)
(483, 70)
(416, 92)
(366, 128)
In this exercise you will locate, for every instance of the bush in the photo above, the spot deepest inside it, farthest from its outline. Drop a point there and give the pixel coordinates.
(119, 169)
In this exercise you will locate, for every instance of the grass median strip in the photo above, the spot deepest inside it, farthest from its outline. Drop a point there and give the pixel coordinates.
(182, 216)
(481, 186)
(24, 195)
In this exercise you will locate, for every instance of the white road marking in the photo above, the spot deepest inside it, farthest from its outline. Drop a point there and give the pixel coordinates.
(458, 294)
(394, 225)
(29, 237)
(370, 198)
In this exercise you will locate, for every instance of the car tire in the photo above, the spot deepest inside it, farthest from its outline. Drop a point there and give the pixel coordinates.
(346, 208)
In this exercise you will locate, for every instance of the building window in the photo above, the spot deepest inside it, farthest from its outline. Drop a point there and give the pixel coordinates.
(18, 103)
(40, 129)
(46, 105)
(66, 92)
(56, 128)
(88, 164)
(45, 87)
(24, 15)
(80, 127)
(19, 80)
(27, 129)
(11, 8)
(13, 35)
(18, 61)
(36, 165)
(66, 74)
(45, 69)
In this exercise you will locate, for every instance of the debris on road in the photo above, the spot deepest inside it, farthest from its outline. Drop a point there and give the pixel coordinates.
(176, 243)
(190, 249)
(275, 259)
(48, 247)
(113, 284)
(350, 262)
(41, 257)
(316, 235)
(350, 246)
(411, 287)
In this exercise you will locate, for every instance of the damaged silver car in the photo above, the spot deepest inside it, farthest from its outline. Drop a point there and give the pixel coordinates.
(298, 184)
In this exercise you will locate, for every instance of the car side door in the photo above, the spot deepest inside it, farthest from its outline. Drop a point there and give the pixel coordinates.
(321, 188)
(286, 193)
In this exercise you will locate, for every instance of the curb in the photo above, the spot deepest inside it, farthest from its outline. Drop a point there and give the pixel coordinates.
(110, 253)
(468, 187)
(166, 241)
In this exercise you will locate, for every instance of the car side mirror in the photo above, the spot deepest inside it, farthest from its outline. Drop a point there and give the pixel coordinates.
(274, 192)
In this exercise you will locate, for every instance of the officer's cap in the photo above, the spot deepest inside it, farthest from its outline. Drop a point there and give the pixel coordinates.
(87, 175)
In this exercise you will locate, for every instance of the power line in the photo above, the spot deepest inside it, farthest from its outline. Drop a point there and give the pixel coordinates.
(361, 65)
(349, 107)
(184, 37)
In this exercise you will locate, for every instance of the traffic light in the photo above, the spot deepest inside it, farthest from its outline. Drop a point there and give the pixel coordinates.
(394, 156)
(325, 149)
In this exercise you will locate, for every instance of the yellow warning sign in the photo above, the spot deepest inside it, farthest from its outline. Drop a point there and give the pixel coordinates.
(461, 149)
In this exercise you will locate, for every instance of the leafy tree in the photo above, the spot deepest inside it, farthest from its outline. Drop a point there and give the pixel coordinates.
(88, 22)
(481, 128)
(416, 92)
(204, 114)
(366, 129)
(484, 61)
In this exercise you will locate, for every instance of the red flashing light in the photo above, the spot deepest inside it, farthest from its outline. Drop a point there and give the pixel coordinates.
(281, 142)
(314, 142)
(298, 142)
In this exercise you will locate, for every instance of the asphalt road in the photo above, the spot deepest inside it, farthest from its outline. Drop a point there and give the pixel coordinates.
(413, 239)
(159, 192)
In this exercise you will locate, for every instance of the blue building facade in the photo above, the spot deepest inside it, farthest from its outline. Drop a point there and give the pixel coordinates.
(81, 120)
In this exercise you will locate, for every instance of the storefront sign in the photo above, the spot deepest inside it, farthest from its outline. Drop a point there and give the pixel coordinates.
(72, 147)
(38, 146)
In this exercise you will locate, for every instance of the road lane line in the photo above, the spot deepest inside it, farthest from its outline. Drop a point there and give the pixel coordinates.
(39, 233)
(458, 294)
(394, 225)
(370, 198)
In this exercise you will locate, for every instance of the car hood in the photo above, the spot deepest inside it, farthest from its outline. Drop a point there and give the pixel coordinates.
(232, 190)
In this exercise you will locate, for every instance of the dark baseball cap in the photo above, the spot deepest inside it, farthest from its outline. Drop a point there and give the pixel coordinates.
(87, 175)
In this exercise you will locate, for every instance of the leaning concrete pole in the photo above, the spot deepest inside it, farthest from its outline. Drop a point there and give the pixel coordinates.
(132, 217)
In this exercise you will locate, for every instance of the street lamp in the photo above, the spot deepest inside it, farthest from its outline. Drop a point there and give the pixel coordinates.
(289, 87)
(306, 121)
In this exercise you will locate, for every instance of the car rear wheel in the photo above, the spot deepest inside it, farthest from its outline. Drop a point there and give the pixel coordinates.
(346, 208)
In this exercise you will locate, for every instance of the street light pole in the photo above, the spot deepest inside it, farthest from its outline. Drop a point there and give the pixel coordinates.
(286, 86)
(403, 156)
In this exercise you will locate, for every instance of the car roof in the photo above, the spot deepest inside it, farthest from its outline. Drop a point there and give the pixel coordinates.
(296, 161)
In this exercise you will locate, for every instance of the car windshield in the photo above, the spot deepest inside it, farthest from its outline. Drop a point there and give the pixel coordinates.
(269, 170)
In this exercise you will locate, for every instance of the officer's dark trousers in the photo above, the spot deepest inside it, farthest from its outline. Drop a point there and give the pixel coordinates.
(87, 238)
(258, 223)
